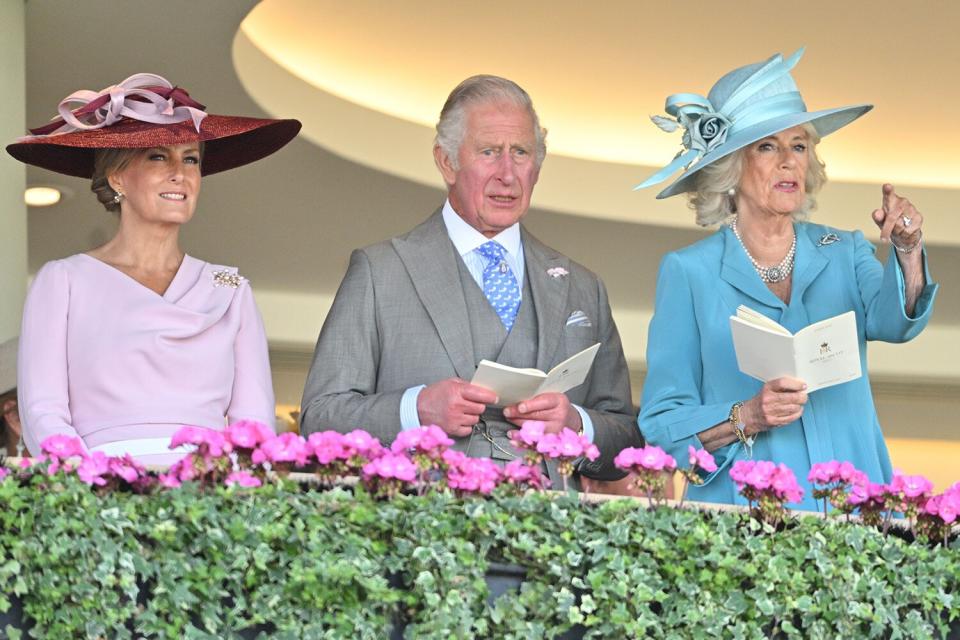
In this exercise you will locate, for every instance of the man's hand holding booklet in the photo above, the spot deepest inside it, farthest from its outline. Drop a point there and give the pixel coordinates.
(513, 385)
(822, 354)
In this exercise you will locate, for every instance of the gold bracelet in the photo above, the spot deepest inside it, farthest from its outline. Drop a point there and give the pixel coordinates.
(737, 424)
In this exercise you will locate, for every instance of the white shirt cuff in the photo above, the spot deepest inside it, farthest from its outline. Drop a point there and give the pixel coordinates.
(587, 423)
(409, 417)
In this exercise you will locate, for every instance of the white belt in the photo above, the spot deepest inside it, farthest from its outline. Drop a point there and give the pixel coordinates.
(141, 447)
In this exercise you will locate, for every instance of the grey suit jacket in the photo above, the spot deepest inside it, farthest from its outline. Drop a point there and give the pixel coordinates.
(399, 320)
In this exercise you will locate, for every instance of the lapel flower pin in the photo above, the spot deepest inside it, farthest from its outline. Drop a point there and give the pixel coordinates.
(557, 272)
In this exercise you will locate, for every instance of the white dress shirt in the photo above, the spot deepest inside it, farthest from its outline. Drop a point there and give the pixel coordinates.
(466, 240)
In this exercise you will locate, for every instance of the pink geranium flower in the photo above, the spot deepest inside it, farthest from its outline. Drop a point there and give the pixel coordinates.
(912, 487)
(429, 441)
(518, 473)
(653, 458)
(284, 448)
(949, 507)
(208, 442)
(391, 466)
(247, 434)
(452, 457)
(92, 469)
(243, 479)
(651, 467)
(835, 481)
(63, 446)
(126, 468)
(824, 472)
(566, 444)
(169, 480)
(702, 459)
(784, 483)
(768, 485)
(473, 475)
(327, 446)
(528, 435)
(359, 443)
(188, 435)
(184, 470)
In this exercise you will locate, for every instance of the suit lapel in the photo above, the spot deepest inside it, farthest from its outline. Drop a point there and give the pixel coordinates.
(810, 261)
(737, 270)
(430, 259)
(549, 295)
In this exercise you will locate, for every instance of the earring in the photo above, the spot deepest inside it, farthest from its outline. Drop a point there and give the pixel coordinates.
(731, 192)
(117, 197)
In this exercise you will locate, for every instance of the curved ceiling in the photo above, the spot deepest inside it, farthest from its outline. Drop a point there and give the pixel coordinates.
(380, 72)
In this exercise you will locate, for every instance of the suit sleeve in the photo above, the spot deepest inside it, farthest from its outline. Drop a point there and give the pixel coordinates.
(341, 388)
(608, 401)
(252, 397)
(42, 368)
(672, 411)
(882, 292)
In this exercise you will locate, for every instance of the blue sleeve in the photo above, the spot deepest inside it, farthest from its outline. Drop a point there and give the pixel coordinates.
(672, 412)
(882, 292)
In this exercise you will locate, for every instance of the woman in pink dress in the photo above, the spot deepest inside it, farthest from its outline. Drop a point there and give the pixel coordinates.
(126, 343)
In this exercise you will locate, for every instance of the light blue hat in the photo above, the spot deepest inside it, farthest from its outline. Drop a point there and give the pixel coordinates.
(746, 105)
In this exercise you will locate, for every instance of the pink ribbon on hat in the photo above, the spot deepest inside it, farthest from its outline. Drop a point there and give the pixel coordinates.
(143, 96)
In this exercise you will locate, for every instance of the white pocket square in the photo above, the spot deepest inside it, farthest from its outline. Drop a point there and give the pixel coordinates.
(579, 318)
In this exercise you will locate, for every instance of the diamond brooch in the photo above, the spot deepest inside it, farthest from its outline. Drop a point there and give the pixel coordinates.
(226, 279)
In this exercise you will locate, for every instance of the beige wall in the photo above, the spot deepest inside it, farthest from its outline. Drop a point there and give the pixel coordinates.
(13, 214)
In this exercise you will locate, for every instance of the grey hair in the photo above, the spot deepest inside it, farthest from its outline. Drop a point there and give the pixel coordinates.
(713, 203)
(451, 128)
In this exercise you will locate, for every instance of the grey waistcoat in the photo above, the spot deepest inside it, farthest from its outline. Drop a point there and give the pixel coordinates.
(491, 342)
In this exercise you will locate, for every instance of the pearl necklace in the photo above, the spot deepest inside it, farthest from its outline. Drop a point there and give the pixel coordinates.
(776, 273)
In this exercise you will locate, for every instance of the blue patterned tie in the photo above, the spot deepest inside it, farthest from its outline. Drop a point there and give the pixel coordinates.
(499, 284)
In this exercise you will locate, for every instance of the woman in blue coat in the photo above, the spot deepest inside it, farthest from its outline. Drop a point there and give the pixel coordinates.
(751, 165)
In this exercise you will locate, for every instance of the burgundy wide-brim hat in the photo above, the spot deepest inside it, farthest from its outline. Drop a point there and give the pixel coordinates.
(142, 112)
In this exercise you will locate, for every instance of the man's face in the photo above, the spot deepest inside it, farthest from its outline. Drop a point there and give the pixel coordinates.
(497, 167)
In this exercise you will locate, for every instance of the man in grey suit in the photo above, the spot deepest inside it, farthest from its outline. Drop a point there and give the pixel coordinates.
(414, 315)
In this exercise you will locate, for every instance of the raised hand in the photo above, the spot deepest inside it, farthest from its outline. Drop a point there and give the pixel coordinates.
(899, 220)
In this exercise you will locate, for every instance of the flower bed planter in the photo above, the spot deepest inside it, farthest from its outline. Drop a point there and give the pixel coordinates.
(312, 563)
(431, 547)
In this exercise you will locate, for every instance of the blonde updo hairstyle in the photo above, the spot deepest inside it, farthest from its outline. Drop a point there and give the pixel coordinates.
(712, 200)
(106, 162)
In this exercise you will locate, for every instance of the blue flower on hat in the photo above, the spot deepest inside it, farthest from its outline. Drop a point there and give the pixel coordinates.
(704, 127)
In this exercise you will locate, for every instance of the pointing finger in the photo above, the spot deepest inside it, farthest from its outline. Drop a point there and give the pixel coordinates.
(889, 198)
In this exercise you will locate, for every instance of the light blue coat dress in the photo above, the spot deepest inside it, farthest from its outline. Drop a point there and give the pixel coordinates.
(693, 378)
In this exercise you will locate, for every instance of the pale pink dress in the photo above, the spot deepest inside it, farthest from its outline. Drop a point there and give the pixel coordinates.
(107, 359)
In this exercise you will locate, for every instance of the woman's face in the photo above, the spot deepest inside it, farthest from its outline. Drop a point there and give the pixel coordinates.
(774, 174)
(160, 185)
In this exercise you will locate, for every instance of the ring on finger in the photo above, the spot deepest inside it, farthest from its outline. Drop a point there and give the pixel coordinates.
(906, 220)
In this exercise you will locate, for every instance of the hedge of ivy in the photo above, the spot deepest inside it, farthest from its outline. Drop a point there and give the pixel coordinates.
(288, 561)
